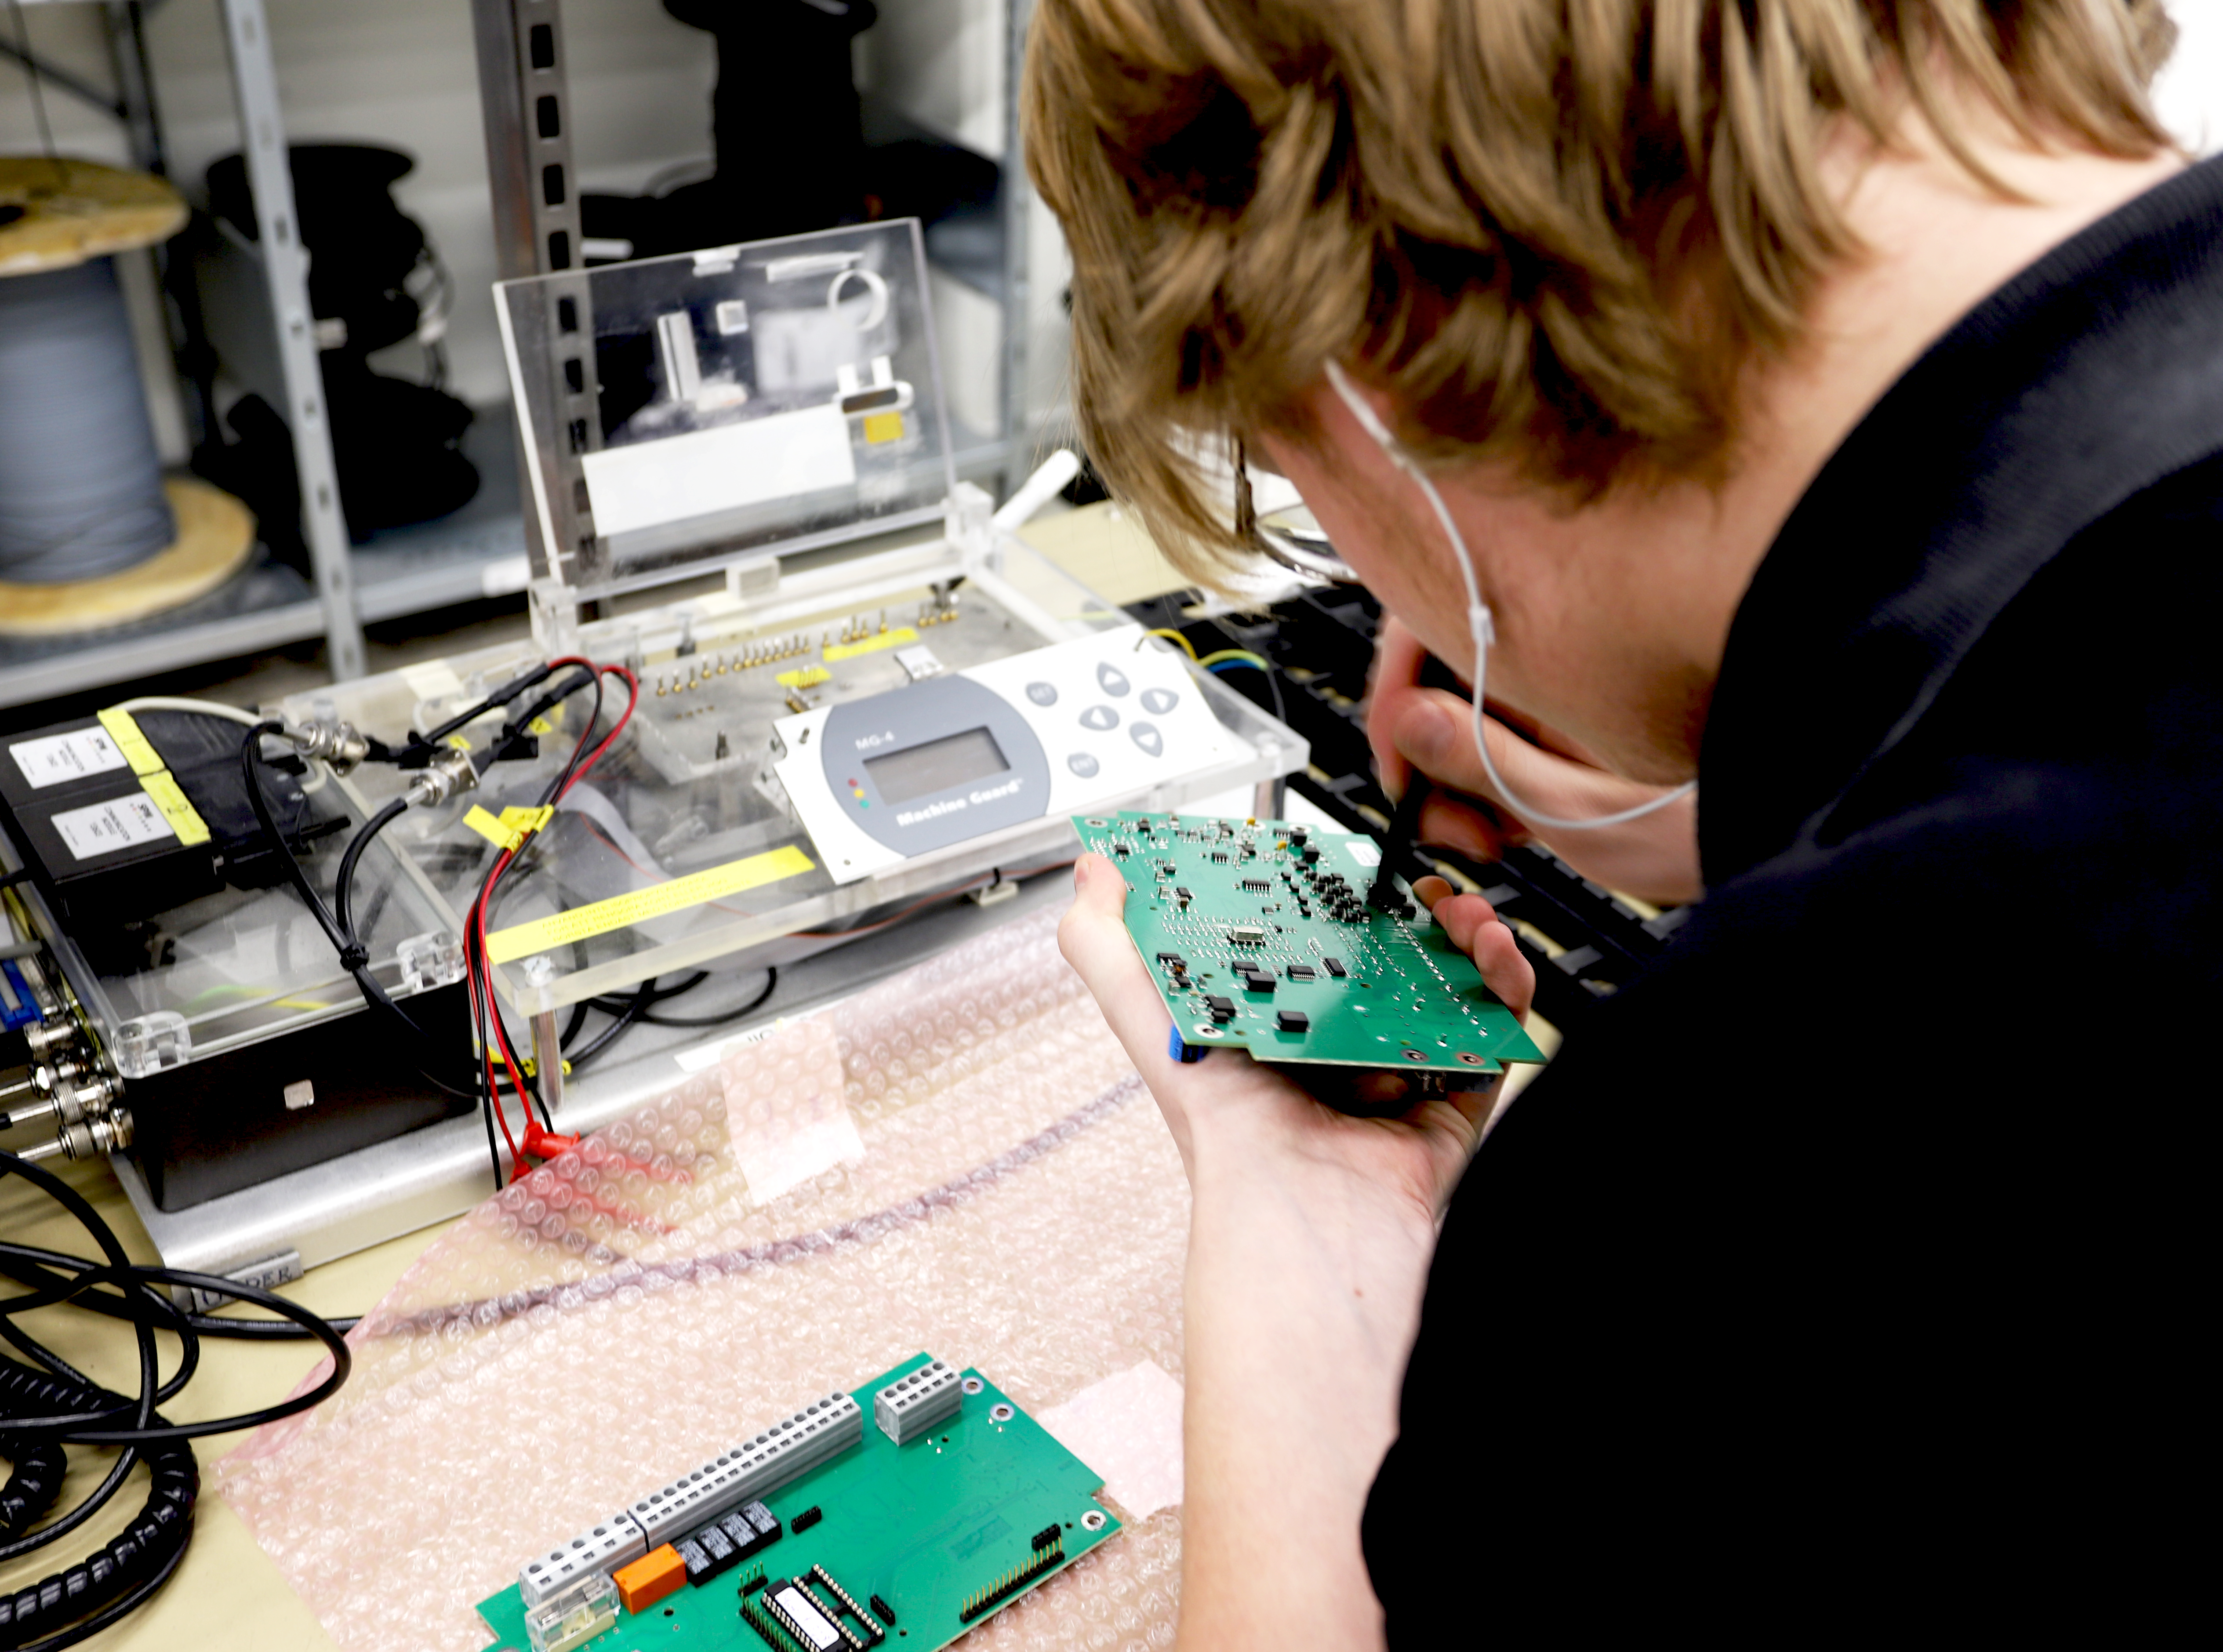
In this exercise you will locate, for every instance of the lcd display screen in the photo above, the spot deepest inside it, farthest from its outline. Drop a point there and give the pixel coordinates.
(936, 765)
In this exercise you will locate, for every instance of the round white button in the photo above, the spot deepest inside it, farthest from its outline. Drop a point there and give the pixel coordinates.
(1083, 765)
(1158, 702)
(1146, 735)
(1112, 683)
(1042, 693)
(1099, 716)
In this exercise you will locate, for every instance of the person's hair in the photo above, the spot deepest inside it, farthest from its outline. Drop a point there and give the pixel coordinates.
(1552, 231)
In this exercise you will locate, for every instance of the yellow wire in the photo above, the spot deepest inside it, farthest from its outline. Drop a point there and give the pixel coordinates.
(1164, 631)
(1210, 660)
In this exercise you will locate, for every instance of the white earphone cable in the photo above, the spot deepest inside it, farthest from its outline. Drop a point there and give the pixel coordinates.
(1479, 624)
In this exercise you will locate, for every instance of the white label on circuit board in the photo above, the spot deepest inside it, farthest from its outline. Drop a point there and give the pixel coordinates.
(648, 484)
(67, 757)
(104, 828)
(1367, 854)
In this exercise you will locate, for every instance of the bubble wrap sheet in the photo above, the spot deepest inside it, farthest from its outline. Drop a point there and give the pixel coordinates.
(982, 1175)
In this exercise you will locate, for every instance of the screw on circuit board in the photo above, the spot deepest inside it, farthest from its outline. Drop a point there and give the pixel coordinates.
(1470, 1058)
(1416, 1055)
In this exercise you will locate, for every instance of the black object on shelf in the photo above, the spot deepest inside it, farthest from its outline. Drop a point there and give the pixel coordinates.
(371, 271)
(1321, 643)
(795, 149)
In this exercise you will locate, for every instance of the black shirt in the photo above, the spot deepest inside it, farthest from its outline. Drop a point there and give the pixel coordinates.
(1850, 1272)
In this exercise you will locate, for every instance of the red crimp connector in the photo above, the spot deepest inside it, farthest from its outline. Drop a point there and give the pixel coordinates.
(545, 1143)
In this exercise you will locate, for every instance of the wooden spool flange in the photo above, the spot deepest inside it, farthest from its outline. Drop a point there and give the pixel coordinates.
(72, 210)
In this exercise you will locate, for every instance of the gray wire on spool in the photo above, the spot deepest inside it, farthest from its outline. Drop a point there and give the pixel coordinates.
(80, 484)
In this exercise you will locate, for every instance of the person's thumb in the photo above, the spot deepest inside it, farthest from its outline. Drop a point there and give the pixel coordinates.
(1091, 935)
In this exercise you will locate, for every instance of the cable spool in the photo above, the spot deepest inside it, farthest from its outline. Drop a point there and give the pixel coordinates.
(90, 534)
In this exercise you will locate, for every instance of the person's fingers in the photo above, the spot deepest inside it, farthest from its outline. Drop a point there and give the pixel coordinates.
(1473, 928)
(1094, 940)
(1467, 827)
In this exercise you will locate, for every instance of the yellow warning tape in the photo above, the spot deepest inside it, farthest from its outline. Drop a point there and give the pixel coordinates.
(162, 788)
(622, 911)
(895, 638)
(155, 777)
(143, 758)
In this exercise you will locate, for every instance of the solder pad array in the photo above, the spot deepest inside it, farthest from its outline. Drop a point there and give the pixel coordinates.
(1405, 1000)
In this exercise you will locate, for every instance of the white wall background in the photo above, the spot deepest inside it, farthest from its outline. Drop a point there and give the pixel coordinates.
(402, 72)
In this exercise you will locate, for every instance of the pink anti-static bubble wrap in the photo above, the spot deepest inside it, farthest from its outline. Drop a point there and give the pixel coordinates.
(626, 1313)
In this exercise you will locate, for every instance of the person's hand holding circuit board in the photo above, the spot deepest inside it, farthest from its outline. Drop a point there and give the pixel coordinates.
(1315, 1214)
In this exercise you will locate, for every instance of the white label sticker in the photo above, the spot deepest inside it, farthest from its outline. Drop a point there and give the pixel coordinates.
(67, 757)
(104, 828)
(726, 468)
(1365, 853)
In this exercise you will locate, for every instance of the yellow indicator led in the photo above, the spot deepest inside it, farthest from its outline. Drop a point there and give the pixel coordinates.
(882, 427)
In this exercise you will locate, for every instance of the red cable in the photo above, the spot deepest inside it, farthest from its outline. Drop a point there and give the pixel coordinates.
(487, 1007)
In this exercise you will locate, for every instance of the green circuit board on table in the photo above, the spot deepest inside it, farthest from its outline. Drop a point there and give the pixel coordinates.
(939, 1533)
(1258, 935)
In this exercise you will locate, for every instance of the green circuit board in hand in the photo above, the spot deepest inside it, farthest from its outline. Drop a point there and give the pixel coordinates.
(942, 1532)
(1258, 934)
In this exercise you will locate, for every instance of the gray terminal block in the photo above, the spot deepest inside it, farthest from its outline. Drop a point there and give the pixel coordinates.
(787, 1448)
(911, 1405)
(608, 1544)
(792, 1446)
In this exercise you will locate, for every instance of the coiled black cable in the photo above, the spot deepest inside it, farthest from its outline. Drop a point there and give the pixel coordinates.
(44, 1410)
(132, 1564)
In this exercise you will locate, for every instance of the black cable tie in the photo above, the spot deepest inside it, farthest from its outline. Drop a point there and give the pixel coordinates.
(354, 957)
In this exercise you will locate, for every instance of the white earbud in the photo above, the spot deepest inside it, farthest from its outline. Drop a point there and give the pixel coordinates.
(1479, 624)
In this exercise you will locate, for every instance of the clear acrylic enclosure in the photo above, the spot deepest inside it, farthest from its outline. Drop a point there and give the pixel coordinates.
(682, 412)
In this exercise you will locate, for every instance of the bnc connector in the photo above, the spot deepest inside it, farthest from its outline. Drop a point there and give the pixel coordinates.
(87, 1138)
(337, 744)
(448, 774)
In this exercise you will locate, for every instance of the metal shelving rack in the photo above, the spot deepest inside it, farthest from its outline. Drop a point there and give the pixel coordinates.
(488, 548)
(524, 96)
(270, 605)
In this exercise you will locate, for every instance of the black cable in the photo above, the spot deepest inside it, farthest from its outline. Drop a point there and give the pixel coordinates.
(500, 697)
(85, 1584)
(353, 957)
(486, 1004)
(621, 1023)
(91, 1426)
(117, 1610)
(772, 980)
(344, 884)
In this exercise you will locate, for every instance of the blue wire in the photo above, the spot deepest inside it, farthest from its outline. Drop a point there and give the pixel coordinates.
(23, 1010)
(1227, 665)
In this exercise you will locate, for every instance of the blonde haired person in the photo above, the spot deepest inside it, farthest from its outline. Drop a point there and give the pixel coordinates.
(1821, 401)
